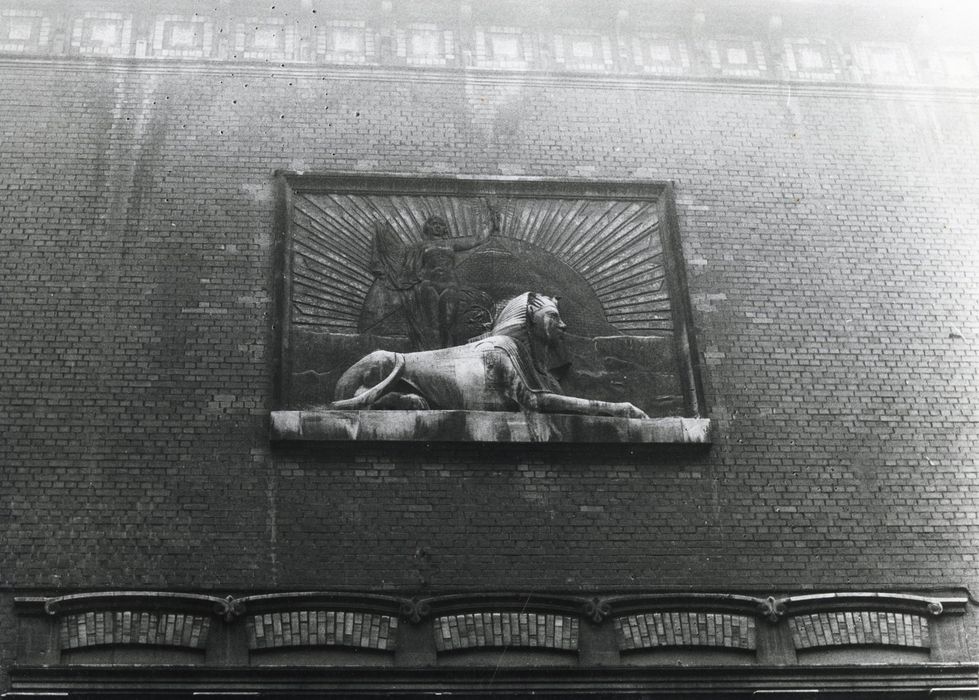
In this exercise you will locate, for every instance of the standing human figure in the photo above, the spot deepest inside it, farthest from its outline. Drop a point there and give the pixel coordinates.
(423, 275)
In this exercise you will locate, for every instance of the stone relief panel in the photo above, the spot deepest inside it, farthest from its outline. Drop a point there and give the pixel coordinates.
(24, 31)
(405, 294)
(102, 33)
(179, 36)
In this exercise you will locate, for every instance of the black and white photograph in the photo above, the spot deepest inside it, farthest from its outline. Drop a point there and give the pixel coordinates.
(489, 349)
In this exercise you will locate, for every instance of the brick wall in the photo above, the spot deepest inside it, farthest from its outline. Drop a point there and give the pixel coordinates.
(8, 625)
(830, 243)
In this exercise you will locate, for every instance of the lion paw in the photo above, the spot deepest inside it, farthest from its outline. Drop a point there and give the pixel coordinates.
(627, 410)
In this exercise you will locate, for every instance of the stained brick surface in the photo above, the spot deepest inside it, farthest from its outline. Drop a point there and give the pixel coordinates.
(685, 629)
(472, 630)
(849, 629)
(321, 627)
(8, 625)
(830, 241)
(111, 628)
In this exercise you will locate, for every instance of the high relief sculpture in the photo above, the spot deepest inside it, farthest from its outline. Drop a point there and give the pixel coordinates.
(422, 276)
(421, 309)
(513, 368)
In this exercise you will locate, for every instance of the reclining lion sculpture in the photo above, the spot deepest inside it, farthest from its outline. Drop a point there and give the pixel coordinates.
(508, 369)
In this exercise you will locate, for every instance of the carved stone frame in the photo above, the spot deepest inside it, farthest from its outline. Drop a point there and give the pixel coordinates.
(691, 426)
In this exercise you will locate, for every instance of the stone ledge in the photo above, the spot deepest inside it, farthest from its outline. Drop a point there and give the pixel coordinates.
(483, 426)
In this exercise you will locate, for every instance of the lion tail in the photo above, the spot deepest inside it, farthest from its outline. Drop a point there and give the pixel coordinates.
(365, 399)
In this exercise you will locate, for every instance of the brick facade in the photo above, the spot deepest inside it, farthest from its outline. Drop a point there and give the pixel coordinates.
(830, 242)
(830, 265)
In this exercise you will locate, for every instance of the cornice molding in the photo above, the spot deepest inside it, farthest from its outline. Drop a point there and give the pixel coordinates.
(885, 602)
(767, 40)
(416, 608)
(708, 681)
(302, 600)
(156, 601)
(781, 89)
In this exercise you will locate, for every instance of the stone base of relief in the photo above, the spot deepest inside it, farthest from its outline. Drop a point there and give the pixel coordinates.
(483, 426)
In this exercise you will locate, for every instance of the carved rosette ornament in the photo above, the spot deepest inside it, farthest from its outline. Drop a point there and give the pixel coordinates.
(773, 609)
(597, 610)
(415, 610)
(229, 608)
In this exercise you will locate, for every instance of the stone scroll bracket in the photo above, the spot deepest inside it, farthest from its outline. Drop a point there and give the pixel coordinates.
(483, 426)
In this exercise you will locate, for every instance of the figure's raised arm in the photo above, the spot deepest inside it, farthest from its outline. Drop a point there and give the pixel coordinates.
(493, 226)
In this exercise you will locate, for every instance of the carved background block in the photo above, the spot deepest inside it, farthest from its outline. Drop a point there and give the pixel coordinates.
(346, 42)
(265, 39)
(102, 34)
(179, 36)
(662, 55)
(504, 47)
(24, 30)
(812, 60)
(426, 44)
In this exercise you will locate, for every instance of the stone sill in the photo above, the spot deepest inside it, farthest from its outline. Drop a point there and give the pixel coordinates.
(483, 426)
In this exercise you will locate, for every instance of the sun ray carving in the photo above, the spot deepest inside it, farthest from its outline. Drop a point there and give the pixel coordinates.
(613, 245)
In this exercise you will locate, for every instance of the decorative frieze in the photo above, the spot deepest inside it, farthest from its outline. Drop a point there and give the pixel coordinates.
(634, 43)
(685, 629)
(583, 50)
(959, 65)
(346, 42)
(812, 60)
(102, 34)
(738, 57)
(182, 36)
(24, 31)
(265, 39)
(506, 629)
(884, 62)
(426, 44)
(504, 48)
(658, 54)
